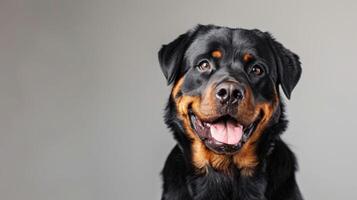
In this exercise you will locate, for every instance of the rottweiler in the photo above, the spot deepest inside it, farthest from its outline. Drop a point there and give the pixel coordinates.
(226, 113)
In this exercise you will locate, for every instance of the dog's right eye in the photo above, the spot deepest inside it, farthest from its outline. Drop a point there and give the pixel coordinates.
(204, 66)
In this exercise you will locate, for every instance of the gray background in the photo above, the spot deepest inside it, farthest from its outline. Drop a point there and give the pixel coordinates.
(82, 94)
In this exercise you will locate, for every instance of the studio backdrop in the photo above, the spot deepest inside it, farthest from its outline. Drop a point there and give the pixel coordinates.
(82, 95)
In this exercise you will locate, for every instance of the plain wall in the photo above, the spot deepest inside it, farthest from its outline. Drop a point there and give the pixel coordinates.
(82, 94)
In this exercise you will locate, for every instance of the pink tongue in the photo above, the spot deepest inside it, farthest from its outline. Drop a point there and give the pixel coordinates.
(228, 132)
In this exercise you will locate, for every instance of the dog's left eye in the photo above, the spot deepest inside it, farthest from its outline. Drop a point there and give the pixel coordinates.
(257, 70)
(204, 66)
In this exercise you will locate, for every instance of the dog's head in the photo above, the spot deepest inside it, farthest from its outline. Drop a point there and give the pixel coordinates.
(226, 87)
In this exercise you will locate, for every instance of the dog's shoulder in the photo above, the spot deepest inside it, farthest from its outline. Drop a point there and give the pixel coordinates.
(280, 172)
(174, 175)
(281, 160)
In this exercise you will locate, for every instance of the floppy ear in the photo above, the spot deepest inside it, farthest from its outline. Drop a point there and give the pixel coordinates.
(288, 66)
(171, 56)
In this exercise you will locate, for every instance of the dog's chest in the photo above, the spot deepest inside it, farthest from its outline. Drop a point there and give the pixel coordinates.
(216, 186)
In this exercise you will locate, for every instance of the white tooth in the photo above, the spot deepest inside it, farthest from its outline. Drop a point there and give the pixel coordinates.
(208, 124)
(200, 123)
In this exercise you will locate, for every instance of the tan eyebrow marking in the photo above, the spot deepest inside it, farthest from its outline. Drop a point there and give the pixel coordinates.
(247, 57)
(216, 54)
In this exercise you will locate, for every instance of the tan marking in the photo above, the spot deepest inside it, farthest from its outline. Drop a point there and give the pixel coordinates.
(217, 54)
(247, 57)
(177, 87)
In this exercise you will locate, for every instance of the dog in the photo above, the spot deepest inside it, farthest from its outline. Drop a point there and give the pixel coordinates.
(226, 113)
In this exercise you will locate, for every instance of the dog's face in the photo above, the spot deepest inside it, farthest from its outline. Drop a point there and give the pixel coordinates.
(226, 85)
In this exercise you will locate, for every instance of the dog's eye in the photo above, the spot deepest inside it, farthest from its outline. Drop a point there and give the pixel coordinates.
(257, 70)
(204, 66)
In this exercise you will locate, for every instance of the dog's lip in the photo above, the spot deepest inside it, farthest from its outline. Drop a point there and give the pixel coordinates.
(202, 130)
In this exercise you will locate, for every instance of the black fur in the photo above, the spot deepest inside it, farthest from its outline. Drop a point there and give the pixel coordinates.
(274, 177)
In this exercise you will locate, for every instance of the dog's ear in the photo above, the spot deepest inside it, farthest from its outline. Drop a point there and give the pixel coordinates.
(288, 66)
(171, 55)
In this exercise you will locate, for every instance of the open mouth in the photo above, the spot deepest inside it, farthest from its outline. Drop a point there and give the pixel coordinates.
(224, 135)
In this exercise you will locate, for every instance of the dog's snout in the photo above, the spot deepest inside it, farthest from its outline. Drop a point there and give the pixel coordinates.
(229, 92)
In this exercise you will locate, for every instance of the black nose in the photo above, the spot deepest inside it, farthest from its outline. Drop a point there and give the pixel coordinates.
(229, 92)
